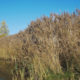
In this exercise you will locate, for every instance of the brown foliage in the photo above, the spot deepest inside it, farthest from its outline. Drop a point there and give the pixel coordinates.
(50, 41)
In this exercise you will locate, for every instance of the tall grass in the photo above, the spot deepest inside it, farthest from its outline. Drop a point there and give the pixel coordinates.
(49, 49)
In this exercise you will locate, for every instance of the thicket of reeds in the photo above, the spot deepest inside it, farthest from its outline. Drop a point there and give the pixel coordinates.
(49, 49)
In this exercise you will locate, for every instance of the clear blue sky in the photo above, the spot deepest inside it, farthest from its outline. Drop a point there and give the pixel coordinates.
(19, 13)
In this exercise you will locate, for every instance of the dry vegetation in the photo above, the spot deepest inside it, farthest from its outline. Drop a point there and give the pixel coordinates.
(49, 49)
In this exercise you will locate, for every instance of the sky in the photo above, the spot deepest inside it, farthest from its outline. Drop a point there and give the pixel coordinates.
(19, 13)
